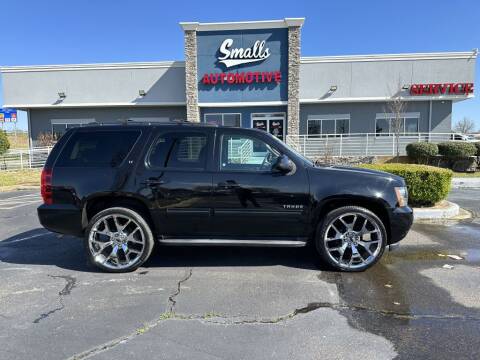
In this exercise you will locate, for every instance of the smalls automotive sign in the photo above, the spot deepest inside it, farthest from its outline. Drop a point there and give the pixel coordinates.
(242, 65)
(236, 56)
(442, 89)
(232, 57)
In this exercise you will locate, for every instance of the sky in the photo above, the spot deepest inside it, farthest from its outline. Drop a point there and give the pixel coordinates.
(64, 32)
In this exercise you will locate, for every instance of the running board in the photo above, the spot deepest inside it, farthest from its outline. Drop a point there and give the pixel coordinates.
(229, 242)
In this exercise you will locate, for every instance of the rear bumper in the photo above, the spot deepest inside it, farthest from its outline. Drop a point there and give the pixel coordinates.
(64, 219)
(401, 220)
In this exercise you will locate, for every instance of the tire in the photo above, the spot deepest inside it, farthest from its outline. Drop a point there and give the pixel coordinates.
(118, 240)
(351, 238)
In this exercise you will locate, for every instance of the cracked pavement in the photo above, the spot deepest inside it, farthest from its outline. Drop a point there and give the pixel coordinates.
(239, 303)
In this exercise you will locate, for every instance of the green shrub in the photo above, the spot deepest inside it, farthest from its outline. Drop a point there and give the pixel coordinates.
(426, 185)
(457, 149)
(477, 145)
(4, 143)
(421, 151)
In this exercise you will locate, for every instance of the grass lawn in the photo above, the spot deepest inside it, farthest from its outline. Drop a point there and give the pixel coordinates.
(9, 179)
(462, 174)
(20, 141)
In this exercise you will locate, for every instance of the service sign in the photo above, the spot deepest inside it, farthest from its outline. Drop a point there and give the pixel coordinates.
(441, 89)
(242, 65)
(8, 115)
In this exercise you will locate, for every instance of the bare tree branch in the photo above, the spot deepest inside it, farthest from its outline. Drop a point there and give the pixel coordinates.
(464, 126)
(396, 108)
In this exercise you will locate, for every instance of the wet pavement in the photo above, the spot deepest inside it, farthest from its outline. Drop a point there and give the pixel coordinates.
(238, 303)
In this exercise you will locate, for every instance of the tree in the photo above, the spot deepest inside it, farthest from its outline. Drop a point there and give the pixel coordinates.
(464, 126)
(394, 111)
(4, 143)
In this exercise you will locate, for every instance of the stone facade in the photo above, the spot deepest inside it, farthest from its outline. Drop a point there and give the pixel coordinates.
(293, 80)
(191, 82)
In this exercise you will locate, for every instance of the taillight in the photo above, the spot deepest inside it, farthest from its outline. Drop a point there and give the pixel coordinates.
(46, 186)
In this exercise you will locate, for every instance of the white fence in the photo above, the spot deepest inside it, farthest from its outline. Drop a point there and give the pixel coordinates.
(24, 159)
(360, 144)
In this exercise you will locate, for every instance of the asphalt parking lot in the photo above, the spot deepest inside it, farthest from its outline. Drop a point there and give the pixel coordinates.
(238, 303)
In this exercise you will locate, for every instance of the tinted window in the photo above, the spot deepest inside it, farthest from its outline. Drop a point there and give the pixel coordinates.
(382, 126)
(98, 148)
(179, 150)
(246, 154)
(314, 127)
(411, 125)
(342, 126)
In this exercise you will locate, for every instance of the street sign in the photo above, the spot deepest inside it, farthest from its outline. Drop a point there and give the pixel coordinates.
(8, 116)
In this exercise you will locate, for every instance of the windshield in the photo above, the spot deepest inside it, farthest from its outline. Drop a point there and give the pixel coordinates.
(308, 161)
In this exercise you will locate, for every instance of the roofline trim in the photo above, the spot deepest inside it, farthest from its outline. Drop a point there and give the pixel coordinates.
(386, 98)
(82, 105)
(391, 57)
(240, 104)
(242, 25)
(98, 66)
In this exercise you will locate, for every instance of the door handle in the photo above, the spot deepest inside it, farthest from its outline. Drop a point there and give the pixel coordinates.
(228, 185)
(153, 182)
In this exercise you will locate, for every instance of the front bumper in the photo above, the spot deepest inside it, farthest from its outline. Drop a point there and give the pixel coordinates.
(64, 219)
(401, 220)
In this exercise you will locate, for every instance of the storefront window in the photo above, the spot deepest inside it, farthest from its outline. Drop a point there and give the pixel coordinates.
(342, 126)
(59, 127)
(330, 125)
(411, 125)
(225, 119)
(314, 127)
(274, 123)
(388, 125)
(382, 126)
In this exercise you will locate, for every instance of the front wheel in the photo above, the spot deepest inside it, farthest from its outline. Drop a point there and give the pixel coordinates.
(118, 240)
(351, 238)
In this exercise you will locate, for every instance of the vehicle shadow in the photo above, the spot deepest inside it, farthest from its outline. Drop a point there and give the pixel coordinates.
(39, 247)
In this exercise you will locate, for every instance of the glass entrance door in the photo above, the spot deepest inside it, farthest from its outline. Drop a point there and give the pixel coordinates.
(274, 123)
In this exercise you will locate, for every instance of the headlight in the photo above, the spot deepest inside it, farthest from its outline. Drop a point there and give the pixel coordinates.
(402, 195)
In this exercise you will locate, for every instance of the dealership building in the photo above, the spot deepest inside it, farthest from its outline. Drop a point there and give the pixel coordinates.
(248, 74)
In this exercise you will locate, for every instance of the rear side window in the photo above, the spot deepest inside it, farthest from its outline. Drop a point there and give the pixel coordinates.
(97, 148)
(182, 150)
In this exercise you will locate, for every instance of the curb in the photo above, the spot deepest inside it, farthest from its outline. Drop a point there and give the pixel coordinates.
(466, 183)
(450, 210)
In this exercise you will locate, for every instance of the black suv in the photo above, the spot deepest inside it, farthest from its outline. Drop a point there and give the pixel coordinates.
(125, 187)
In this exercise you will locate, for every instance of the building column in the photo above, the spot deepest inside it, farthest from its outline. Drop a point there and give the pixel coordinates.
(293, 107)
(191, 81)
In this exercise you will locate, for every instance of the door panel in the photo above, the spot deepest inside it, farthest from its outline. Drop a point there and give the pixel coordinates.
(252, 201)
(176, 179)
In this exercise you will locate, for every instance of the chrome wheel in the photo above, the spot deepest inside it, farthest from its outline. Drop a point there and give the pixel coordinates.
(353, 240)
(116, 241)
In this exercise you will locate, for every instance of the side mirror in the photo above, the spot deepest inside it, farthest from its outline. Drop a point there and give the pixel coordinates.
(283, 164)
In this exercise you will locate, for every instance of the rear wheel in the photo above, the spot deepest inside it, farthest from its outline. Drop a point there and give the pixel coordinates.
(351, 238)
(118, 240)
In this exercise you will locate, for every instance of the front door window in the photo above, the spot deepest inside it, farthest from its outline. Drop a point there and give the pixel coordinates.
(245, 153)
(274, 123)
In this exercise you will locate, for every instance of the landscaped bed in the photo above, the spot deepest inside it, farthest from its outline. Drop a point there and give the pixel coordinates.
(427, 185)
